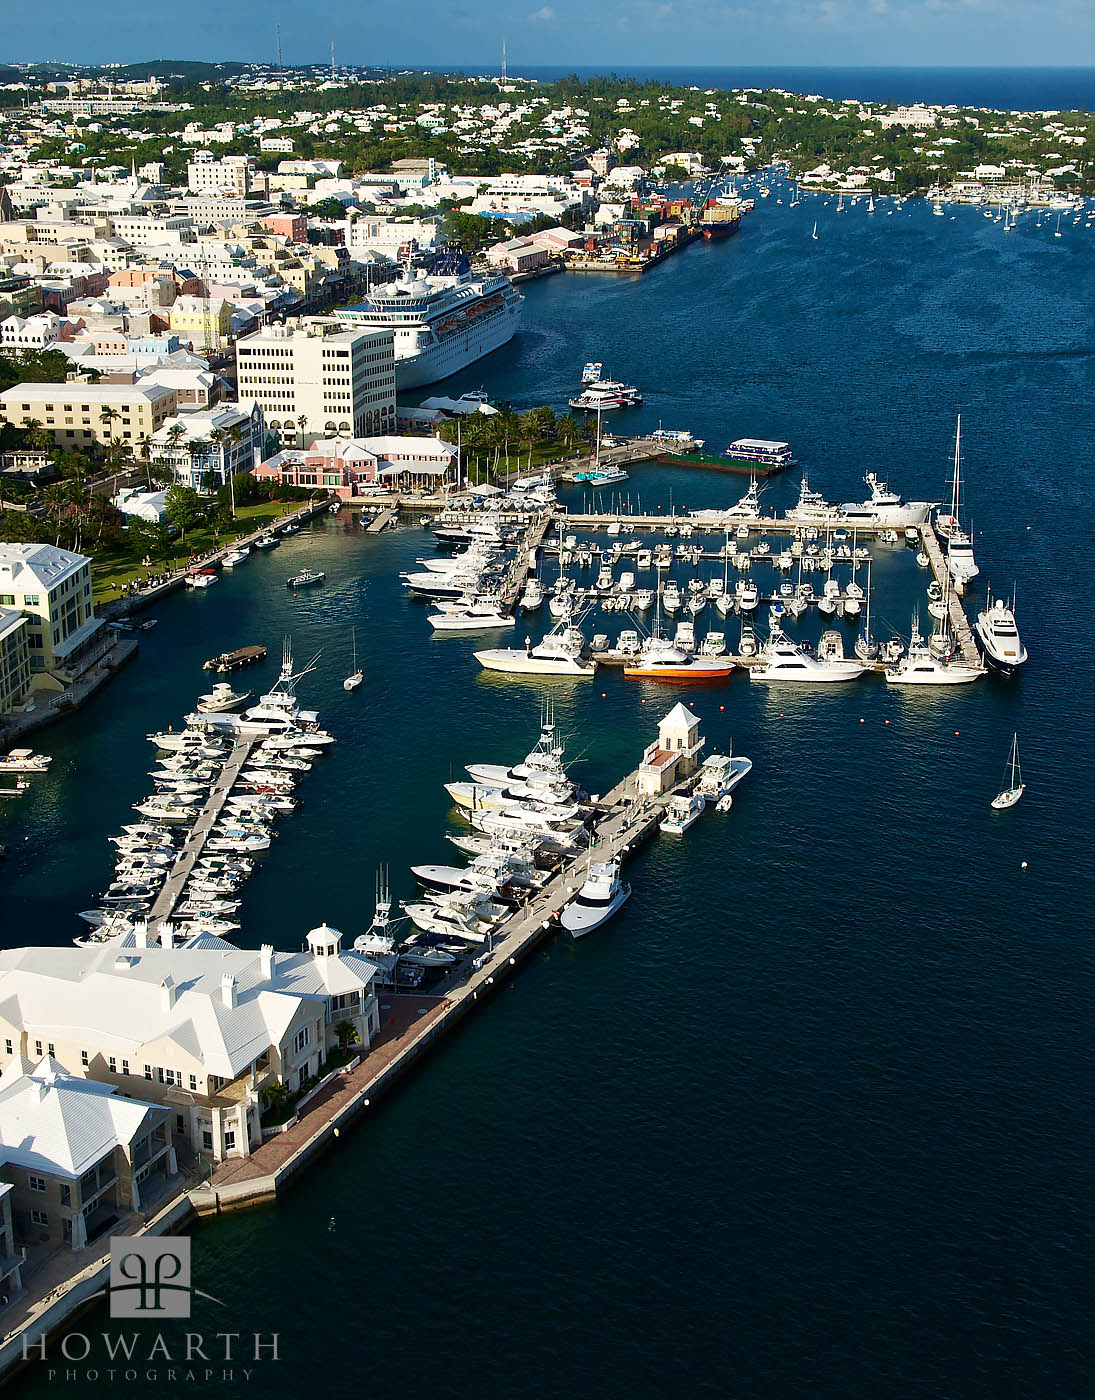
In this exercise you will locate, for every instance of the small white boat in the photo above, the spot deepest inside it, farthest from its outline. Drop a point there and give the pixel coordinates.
(681, 812)
(204, 578)
(356, 676)
(236, 556)
(1013, 777)
(24, 761)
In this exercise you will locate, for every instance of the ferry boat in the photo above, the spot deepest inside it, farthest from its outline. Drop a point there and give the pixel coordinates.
(677, 439)
(605, 394)
(772, 456)
(591, 371)
(442, 322)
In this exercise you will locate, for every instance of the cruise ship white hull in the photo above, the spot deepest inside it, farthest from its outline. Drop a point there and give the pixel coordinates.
(456, 352)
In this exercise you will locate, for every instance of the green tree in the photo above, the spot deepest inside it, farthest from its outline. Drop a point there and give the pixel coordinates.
(185, 508)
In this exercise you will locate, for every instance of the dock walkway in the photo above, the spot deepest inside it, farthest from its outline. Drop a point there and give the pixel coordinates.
(181, 871)
(524, 563)
(381, 521)
(960, 626)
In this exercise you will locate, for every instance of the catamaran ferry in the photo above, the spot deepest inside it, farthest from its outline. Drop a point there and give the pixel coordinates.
(442, 323)
(772, 455)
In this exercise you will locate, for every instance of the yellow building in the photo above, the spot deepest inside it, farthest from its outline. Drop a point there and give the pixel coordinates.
(51, 588)
(14, 661)
(78, 414)
(205, 322)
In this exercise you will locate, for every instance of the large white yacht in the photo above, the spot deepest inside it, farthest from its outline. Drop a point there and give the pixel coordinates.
(785, 660)
(923, 666)
(811, 506)
(885, 507)
(544, 761)
(559, 654)
(442, 323)
(1000, 637)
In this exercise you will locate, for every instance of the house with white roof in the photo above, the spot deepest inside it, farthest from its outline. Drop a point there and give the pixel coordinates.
(78, 1155)
(201, 1029)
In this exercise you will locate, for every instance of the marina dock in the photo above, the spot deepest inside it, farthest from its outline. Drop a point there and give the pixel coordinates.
(381, 521)
(181, 871)
(960, 627)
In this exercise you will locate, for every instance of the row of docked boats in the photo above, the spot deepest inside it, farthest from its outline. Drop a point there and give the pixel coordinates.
(195, 830)
(525, 822)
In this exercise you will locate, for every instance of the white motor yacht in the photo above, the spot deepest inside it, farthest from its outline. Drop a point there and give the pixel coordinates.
(923, 666)
(470, 614)
(885, 507)
(785, 660)
(719, 776)
(222, 697)
(533, 596)
(24, 761)
(746, 594)
(558, 654)
(599, 898)
(1000, 637)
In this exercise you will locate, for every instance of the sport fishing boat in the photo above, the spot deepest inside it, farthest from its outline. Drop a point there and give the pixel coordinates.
(558, 654)
(660, 660)
(599, 898)
(303, 579)
(1000, 637)
(681, 812)
(812, 507)
(470, 614)
(922, 665)
(786, 660)
(442, 321)
(719, 776)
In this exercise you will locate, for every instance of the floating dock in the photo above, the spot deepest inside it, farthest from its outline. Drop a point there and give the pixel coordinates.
(169, 896)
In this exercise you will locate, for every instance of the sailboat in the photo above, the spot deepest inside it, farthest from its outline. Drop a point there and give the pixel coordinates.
(1015, 788)
(1057, 232)
(356, 676)
(866, 648)
(814, 234)
(870, 205)
(960, 558)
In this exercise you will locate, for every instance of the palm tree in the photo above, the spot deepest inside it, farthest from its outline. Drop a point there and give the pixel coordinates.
(56, 499)
(302, 423)
(107, 416)
(144, 446)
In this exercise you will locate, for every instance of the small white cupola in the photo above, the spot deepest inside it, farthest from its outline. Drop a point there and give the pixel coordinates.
(325, 942)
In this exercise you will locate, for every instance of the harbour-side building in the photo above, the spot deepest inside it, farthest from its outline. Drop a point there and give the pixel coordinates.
(14, 661)
(78, 413)
(203, 1029)
(78, 1155)
(51, 588)
(352, 468)
(314, 380)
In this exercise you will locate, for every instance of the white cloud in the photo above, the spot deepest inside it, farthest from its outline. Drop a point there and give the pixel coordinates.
(544, 15)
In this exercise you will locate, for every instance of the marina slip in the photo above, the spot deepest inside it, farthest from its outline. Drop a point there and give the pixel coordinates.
(835, 1031)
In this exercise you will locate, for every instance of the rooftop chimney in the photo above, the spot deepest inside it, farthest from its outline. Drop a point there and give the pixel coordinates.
(228, 991)
(168, 993)
(266, 961)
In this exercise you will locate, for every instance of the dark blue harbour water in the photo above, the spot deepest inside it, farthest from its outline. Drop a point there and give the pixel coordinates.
(1003, 89)
(813, 1115)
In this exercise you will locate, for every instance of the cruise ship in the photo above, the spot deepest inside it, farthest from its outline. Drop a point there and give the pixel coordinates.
(443, 322)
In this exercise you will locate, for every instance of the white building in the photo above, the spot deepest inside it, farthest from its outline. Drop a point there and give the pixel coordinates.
(389, 238)
(51, 587)
(201, 1028)
(229, 175)
(207, 446)
(311, 380)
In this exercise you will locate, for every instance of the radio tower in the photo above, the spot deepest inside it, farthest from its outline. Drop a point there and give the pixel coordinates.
(277, 32)
(503, 60)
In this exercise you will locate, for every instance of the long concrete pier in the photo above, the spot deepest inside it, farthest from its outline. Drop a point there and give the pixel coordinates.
(181, 871)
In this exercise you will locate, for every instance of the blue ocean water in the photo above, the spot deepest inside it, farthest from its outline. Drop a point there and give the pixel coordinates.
(1005, 89)
(812, 1115)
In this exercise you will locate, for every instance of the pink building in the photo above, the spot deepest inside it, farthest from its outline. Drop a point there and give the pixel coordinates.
(291, 226)
(352, 468)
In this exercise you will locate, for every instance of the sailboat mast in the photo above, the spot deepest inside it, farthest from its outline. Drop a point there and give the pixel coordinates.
(957, 469)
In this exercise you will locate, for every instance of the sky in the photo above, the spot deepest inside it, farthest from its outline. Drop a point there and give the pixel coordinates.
(612, 33)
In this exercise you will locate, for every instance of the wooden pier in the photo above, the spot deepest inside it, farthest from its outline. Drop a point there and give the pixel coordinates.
(960, 627)
(181, 871)
(381, 521)
(525, 563)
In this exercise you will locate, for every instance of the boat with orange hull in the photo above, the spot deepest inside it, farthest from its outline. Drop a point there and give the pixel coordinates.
(661, 661)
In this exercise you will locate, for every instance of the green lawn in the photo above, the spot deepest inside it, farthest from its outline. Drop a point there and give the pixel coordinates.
(111, 569)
